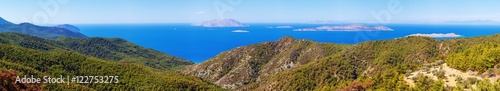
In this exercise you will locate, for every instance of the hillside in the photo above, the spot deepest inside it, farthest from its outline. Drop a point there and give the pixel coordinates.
(379, 64)
(40, 31)
(53, 63)
(289, 64)
(104, 48)
(252, 64)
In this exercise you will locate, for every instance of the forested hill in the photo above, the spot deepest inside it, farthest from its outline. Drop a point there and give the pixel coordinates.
(253, 63)
(387, 65)
(40, 31)
(112, 49)
(18, 61)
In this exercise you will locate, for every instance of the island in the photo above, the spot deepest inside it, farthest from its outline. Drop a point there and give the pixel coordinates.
(326, 22)
(474, 22)
(437, 35)
(351, 27)
(221, 23)
(240, 31)
(281, 27)
(40, 31)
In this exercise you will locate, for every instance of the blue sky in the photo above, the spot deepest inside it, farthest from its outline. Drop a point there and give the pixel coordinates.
(252, 11)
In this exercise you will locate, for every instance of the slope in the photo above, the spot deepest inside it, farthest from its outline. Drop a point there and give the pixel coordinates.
(132, 76)
(103, 48)
(376, 65)
(252, 64)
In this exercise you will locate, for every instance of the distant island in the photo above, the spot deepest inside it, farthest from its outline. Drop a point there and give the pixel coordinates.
(40, 31)
(326, 22)
(351, 27)
(437, 35)
(221, 23)
(240, 31)
(473, 22)
(281, 27)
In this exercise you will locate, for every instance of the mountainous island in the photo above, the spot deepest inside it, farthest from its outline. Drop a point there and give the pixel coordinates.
(220, 23)
(41, 31)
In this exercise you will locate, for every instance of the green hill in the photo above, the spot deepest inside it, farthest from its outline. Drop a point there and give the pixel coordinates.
(251, 64)
(57, 62)
(103, 48)
(382, 63)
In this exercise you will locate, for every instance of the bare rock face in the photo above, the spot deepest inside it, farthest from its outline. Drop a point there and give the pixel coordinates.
(249, 64)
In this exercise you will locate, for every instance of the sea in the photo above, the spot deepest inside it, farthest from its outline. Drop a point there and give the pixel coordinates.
(198, 44)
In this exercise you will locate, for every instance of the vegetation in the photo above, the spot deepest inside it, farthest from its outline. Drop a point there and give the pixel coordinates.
(380, 65)
(132, 76)
(251, 64)
(479, 57)
(424, 83)
(324, 74)
(103, 48)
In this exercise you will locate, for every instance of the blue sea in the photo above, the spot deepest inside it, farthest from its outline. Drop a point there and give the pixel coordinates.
(198, 44)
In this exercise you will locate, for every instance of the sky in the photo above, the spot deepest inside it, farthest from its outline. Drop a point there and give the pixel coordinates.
(251, 11)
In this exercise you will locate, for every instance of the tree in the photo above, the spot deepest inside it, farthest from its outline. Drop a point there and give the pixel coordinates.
(357, 86)
(441, 74)
(438, 85)
(485, 85)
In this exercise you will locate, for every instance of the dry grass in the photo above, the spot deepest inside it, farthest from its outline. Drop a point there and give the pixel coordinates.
(451, 75)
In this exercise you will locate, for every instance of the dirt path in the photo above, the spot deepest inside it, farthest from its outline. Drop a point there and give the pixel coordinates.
(451, 75)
